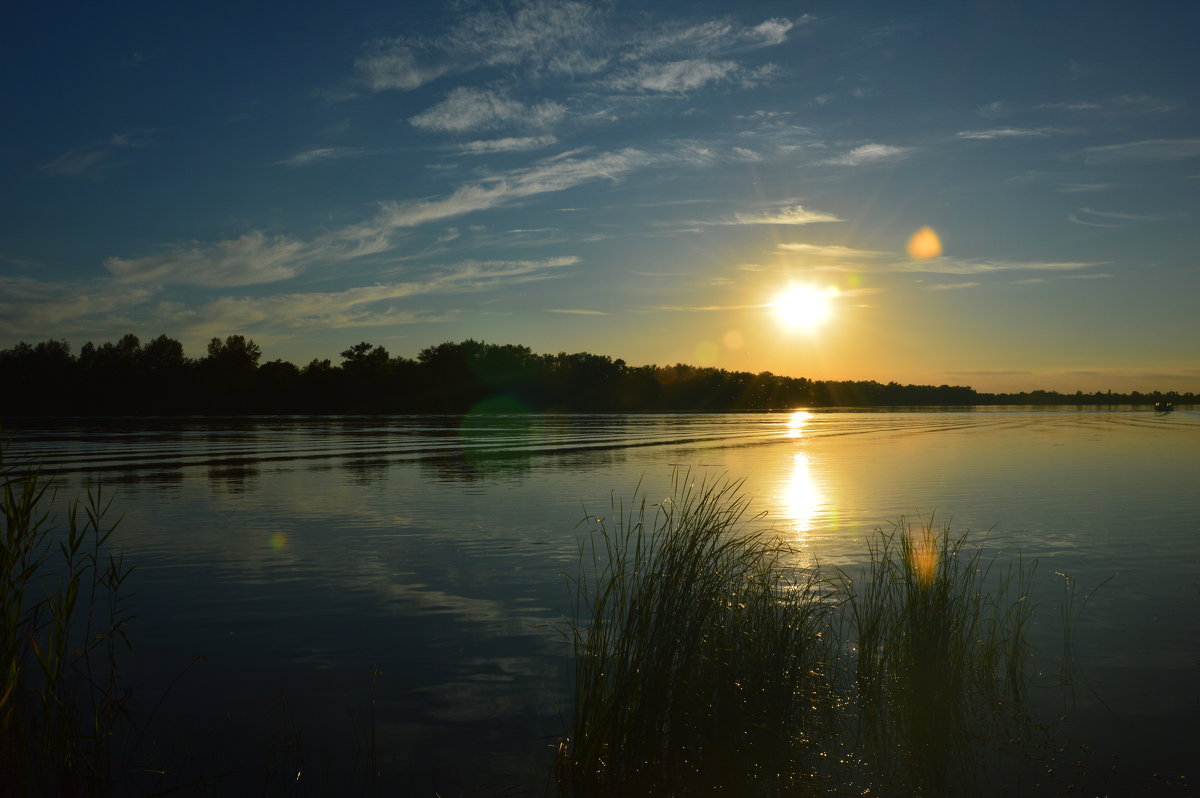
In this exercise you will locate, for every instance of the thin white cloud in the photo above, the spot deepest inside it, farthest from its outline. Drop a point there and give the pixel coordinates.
(1093, 218)
(1071, 217)
(954, 266)
(792, 214)
(994, 109)
(1128, 217)
(674, 77)
(520, 144)
(554, 174)
(548, 35)
(950, 286)
(705, 308)
(354, 307)
(711, 37)
(774, 31)
(247, 260)
(305, 157)
(846, 259)
(540, 34)
(570, 39)
(257, 257)
(31, 307)
(1116, 106)
(577, 312)
(1080, 188)
(392, 64)
(466, 108)
(1148, 150)
(95, 159)
(870, 153)
(1005, 133)
(28, 306)
(834, 252)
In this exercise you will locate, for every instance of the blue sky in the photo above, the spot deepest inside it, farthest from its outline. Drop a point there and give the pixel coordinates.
(640, 180)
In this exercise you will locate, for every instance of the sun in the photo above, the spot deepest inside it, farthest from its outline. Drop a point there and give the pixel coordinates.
(804, 307)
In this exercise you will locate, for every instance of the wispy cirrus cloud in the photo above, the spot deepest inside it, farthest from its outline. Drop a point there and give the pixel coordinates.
(255, 257)
(1092, 218)
(1118, 105)
(258, 257)
(1080, 188)
(708, 38)
(983, 266)
(315, 155)
(569, 39)
(705, 308)
(542, 35)
(674, 77)
(362, 306)
(577, 312)
(466, 108)
(790, 214)
(833, 252)
(27, 305)
(389, 64)
(869, 153)
(1148, 150)
(951, 286)
(94, 160)
(838, 258)
(1006, 133)
(32, 307)
(519, 144)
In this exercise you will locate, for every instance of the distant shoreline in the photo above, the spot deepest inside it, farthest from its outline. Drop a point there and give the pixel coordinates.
(129, 379)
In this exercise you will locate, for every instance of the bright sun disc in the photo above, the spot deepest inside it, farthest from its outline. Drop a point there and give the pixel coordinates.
(804, 307)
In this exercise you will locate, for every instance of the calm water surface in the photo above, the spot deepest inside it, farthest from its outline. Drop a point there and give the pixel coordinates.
(305, 583)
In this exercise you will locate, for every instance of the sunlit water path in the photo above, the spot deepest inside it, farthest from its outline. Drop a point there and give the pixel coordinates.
(297, 556)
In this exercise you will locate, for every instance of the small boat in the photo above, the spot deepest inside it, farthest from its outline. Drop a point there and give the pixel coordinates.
(1163, 407)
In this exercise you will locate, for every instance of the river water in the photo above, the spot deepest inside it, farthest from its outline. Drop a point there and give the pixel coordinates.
(309, 590)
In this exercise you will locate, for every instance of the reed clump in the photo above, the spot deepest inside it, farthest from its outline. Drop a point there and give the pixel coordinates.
(935, 653)
(62, 630)
(707, 662)
(700, 655)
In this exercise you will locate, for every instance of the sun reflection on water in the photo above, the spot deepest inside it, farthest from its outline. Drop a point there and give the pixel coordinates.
(796, 422)
(801, 498)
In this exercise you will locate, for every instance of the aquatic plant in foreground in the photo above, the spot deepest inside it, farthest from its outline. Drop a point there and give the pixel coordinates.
(62, 627)
(707, 662)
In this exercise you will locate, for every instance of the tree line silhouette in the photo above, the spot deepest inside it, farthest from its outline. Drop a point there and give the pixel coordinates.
(156, 378)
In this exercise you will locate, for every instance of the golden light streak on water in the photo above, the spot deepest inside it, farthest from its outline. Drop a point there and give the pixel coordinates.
(924, 244)
(801, 498)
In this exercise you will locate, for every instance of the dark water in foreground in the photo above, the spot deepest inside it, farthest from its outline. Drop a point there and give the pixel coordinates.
(303, 584)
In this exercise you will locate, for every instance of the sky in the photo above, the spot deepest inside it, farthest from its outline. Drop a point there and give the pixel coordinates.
(643, 180)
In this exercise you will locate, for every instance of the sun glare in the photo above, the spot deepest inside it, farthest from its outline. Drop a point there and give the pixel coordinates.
(804, 307)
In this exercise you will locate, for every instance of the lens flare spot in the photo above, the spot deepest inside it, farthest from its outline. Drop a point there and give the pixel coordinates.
(706, 353)
(924, 244)
(923, 556)
(734, 339)
(278, 540)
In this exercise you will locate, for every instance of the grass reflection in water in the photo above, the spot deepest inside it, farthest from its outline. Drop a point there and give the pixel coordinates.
(706, 662)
